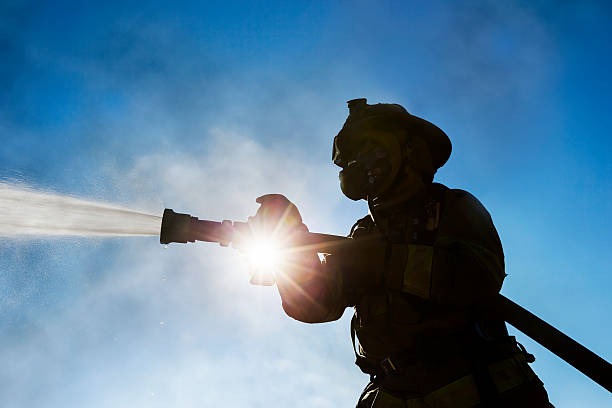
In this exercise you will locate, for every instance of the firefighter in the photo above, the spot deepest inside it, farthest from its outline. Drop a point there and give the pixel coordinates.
(425, 257)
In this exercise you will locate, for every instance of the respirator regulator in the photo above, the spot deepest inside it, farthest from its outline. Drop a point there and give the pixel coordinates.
(369, 171)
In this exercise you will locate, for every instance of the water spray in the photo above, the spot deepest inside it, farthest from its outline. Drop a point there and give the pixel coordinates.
(27, 212)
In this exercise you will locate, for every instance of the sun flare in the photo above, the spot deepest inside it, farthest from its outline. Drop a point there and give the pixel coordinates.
(264, 255)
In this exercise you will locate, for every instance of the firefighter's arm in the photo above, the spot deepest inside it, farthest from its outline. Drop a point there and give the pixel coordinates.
(311, 290)
(315, 291)
(318, 291)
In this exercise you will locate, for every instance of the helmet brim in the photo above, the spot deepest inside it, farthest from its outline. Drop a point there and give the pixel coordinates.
(437, 141)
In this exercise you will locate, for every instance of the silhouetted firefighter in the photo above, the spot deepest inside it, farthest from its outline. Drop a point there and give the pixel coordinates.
(422, 270)
(439, 254)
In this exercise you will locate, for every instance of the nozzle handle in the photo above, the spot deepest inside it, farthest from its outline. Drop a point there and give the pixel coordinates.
(183, 228)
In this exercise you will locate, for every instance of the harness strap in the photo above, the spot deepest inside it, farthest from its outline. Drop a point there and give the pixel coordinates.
(397, 363)
(365, 365)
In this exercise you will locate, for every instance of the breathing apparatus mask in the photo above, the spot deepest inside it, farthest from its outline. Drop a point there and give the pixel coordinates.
(370, 170)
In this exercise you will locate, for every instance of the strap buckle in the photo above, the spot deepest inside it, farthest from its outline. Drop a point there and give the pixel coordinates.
(387, 366)
(530, 358)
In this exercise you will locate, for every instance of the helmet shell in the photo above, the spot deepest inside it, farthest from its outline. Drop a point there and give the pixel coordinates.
(394, 121)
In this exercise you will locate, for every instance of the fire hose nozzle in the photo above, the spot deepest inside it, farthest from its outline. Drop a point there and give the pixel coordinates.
(183, 228)
(176, 227)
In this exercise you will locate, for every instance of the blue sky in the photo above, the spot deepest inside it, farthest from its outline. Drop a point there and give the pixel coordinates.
(203, 107)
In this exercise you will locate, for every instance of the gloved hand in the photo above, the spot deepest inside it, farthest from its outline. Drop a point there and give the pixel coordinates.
(272, 228)
(277, 216)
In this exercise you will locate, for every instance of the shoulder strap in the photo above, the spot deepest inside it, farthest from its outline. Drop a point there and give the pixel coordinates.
(432, 213)
(437, 195)
(366, 223)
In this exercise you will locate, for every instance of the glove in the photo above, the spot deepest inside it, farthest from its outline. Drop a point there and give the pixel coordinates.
(277, 220)
(277, 217)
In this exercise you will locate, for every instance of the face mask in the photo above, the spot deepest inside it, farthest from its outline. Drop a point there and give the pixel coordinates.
(365, 175)
(353, 182)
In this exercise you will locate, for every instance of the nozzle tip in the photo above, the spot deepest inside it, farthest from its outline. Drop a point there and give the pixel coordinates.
(175, 227)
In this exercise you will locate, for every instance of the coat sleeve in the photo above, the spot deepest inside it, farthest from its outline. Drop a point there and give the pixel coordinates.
(315, 291)
(310, 290)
